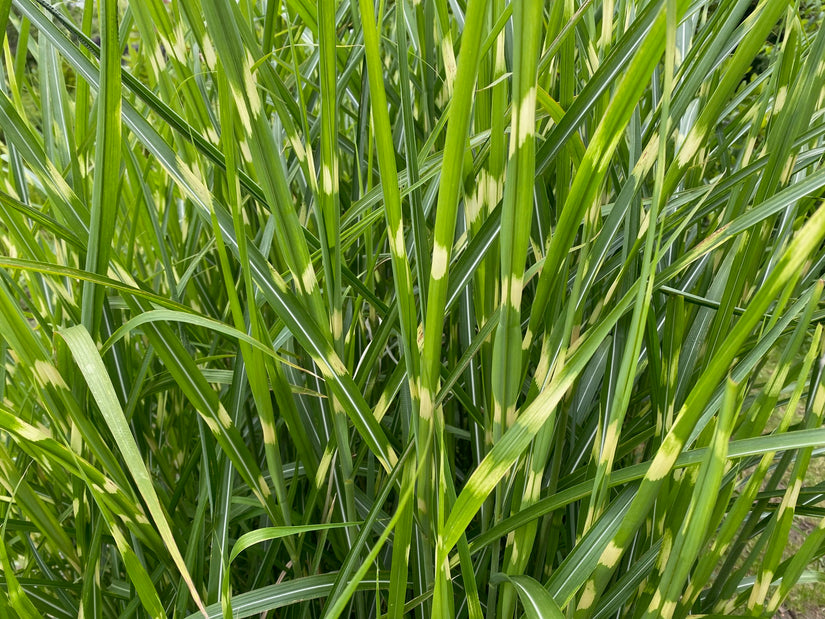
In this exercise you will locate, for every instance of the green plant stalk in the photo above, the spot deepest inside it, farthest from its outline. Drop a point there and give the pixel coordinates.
(609, 434)
(255, 361)
(107, 164)
(785, 274)
(514, 238)
(402, 278)
(737, 512)
(677, 556)
(446, 211)
(782, 520)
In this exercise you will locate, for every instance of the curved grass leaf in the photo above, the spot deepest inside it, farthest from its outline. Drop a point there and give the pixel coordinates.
(534, 598)
(91, 366)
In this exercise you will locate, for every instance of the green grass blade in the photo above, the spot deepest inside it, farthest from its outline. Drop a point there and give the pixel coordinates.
(107, 163)
(91, 366)
(536, 601)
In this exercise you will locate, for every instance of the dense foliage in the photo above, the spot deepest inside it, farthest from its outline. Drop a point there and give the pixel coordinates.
(431, 308)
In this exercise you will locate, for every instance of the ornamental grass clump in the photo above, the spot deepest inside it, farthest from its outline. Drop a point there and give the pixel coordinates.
(415, 308)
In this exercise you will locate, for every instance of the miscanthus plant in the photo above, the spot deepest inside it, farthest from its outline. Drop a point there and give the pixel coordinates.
(417, 308)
